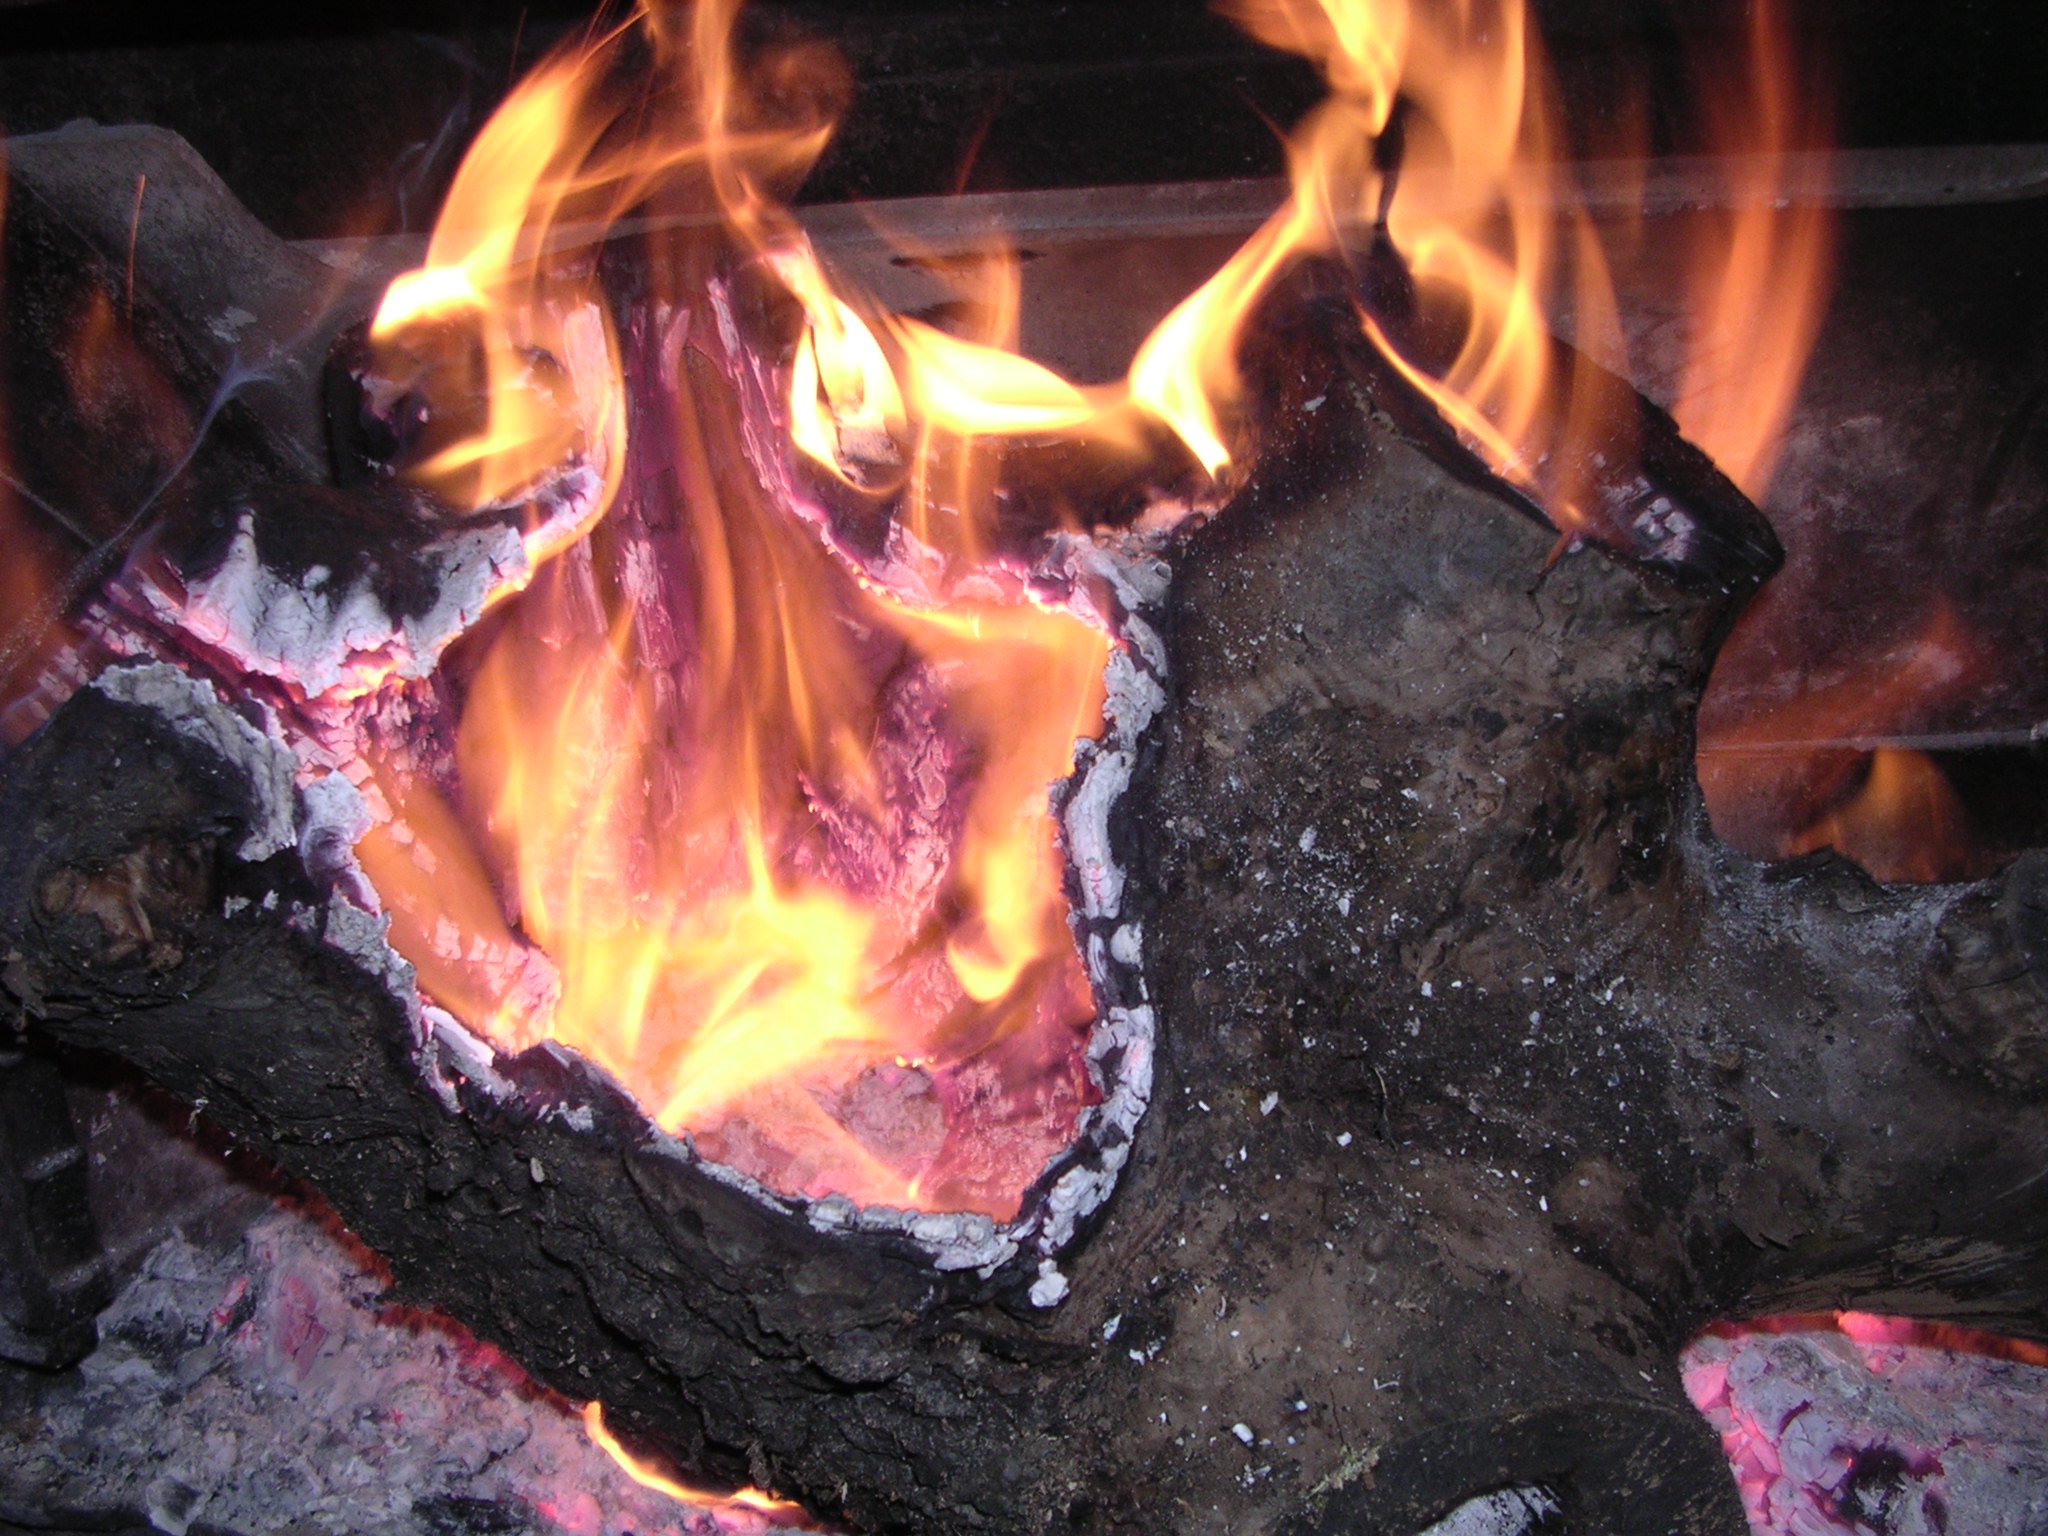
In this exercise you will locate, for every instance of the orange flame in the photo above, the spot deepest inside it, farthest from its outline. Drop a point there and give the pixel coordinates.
(486, 326)
(1816, 772)
(647, 1477)
(674, 753)
(1760, 267)
(1905, 823)
(1488, 228)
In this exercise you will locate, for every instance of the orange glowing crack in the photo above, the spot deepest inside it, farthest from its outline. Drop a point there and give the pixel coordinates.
(606, 1441)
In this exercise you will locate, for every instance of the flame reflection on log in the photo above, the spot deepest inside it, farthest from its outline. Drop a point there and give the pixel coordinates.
(1827, 765)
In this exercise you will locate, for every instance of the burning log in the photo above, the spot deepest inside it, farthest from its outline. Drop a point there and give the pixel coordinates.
(1596, 459)
(1487, 1077)
(119, 411)
(1335, 1100)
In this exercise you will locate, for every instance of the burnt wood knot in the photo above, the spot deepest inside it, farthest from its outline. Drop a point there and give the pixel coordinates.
(146, 903)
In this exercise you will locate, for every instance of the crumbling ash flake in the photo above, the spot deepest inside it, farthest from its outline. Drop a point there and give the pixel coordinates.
(196, 711)
(1520, 1511)
(364, 938)
(327, 638)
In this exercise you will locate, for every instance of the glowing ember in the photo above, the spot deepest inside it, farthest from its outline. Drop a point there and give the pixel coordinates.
(1852, 1423)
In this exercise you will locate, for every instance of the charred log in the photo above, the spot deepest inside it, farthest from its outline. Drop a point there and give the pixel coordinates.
(1484, 1077)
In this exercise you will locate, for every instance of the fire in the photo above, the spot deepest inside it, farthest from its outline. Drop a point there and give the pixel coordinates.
(1441, 141)
(782, 834)
(779, 827)
(1831, 765)
(740, 938)
(646, 1477)
(492, 318)
(1758, 267)
(1905, 823)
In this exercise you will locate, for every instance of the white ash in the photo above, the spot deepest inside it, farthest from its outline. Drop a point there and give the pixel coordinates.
(258, 1385)
(195, 711)
(1504, 1512)
(1103, 781)
(1050, 1288)
(451, 1051)
(327, 638)
(336, 808)
(364, 938)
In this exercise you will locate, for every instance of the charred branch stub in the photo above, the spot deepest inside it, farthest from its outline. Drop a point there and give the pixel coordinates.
(1632, 485)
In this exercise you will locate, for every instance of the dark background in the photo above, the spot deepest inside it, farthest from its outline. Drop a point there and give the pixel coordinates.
(337, 117)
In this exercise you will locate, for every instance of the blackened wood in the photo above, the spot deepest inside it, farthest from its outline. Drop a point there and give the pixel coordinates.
(1715, 1075)
(53, 1277)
